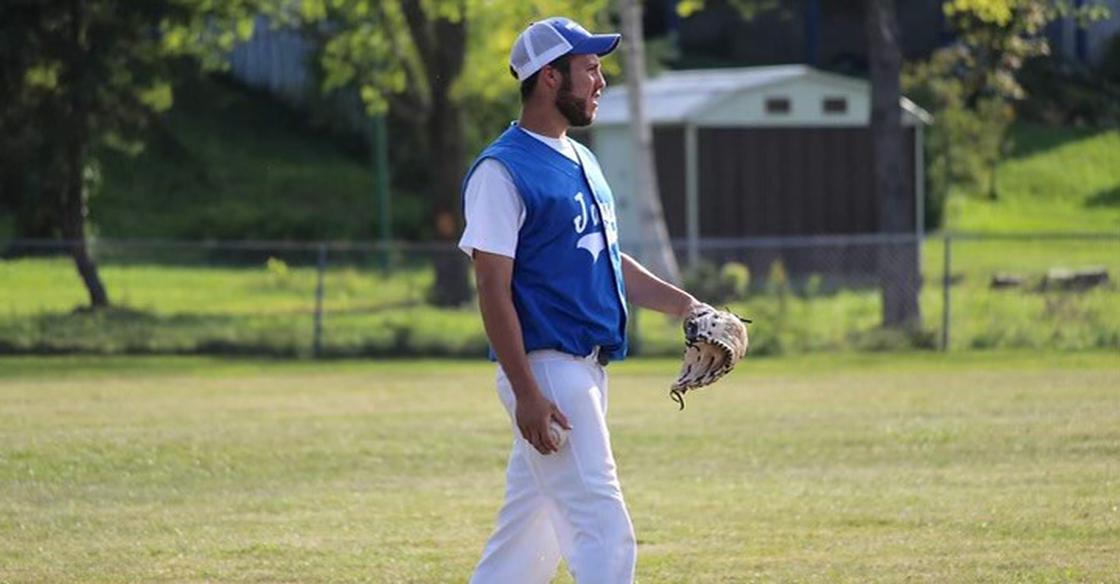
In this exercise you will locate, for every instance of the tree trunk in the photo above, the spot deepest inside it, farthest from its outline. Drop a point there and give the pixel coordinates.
(445, 57)
(445, 136)
(70, 184)
(655, 251)
(73, 211)
(898, 262)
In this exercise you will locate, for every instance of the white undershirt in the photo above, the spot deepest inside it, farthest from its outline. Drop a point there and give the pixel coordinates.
(493, 207)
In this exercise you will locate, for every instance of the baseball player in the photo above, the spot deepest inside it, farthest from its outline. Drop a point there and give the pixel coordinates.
(553, 287)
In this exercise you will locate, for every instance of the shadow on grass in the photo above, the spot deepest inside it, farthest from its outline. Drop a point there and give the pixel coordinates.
(1109, 198)
(1028, 139)
(128, 331)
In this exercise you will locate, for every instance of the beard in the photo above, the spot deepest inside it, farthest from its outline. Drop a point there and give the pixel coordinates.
(571, 107)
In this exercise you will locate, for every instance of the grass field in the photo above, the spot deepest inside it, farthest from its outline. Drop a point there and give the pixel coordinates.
(976, 467)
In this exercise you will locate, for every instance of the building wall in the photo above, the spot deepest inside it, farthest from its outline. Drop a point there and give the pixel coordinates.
(1064, 34)
(275, 60)
(756, 181)
(760, 182)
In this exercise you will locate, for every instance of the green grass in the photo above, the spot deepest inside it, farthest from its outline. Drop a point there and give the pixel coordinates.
(213, 309)
(235, 164)
(183, 309)
(1055, 180)
(972, 467)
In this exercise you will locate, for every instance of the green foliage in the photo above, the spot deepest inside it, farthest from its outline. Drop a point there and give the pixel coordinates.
(718, 285)
(739, 276)
(371, 48)
(1064, 93)
(87, 74)
(231, 163)
(970, 87)
(278, 272)
(967, 141)
(998, 36)
(1110, 63)
(748, 8)
(383, 48)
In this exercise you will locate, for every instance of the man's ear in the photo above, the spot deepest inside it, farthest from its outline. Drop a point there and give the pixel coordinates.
(551, 77)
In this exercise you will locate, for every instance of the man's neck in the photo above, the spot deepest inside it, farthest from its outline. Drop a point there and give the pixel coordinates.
(549, 123)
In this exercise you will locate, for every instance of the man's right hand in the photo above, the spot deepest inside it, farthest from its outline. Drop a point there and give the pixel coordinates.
(534, 412)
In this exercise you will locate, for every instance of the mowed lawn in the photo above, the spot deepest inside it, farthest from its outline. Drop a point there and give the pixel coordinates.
(967, 467)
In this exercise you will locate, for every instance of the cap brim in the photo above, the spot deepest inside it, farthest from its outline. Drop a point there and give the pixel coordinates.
(597, 44)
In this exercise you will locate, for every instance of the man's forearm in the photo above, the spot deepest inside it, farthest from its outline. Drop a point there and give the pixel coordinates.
(503, 328)
(648, 291)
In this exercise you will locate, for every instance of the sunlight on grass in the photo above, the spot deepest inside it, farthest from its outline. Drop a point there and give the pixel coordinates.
(1061, 181)
(874, 468)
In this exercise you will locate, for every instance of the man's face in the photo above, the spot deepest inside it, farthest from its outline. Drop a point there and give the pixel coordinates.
(578, 95)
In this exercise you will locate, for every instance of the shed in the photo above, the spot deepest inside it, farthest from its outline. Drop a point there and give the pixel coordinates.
(755, 152)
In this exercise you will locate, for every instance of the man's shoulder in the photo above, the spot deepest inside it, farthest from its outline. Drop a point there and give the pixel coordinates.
(503, 150)
(490, 166)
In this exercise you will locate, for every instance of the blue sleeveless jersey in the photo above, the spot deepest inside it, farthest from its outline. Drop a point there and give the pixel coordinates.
(568, 287)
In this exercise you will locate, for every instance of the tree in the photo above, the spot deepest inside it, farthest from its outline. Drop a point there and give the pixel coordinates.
(898, 263)
(84, 74)
(658, 253)
(996, 37)
(423, 60)
(972, 84)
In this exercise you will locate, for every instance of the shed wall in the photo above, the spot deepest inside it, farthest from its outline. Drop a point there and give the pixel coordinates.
(757, 182)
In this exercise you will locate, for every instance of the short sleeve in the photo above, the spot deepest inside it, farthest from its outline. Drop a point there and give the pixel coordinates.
(494, 211)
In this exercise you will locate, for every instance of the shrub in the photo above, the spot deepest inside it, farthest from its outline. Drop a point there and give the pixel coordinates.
(718, 285)
(1110, 63)
(1067, 93)
(278, 272)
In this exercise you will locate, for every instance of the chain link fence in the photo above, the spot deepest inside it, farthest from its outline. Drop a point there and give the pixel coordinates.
(827, 293)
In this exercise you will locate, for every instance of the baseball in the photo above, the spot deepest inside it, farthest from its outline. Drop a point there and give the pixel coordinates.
(557, 433)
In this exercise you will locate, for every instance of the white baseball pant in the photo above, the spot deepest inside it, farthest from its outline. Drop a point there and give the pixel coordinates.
(567, 503)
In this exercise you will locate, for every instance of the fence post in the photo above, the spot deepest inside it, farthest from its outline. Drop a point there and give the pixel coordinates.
(946, 295)
(322, 268)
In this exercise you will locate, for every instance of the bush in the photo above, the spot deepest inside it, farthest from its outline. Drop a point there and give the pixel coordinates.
(718, 285)
(965, 144)
(1065, 93)
(1110, 63)
(278, 272)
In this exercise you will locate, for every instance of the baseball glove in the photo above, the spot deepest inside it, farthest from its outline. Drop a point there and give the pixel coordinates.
(715, 341)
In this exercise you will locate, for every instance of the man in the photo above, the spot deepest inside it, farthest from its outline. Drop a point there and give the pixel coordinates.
(553, 286)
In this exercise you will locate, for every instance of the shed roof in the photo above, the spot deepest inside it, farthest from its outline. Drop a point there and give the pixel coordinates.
(679, 96)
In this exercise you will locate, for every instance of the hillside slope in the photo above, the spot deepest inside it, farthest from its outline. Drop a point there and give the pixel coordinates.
(233, 164)
(1055, 179)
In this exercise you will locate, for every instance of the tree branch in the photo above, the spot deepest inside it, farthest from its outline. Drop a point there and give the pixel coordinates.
(417, 25)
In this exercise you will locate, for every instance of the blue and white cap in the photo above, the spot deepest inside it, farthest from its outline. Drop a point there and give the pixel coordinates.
(547, 40)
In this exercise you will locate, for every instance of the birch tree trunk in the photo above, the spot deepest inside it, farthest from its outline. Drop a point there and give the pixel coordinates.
(656, 252)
